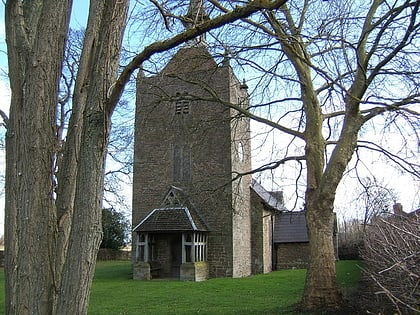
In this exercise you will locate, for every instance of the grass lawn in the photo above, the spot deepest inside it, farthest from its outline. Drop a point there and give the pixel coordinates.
(114, 292)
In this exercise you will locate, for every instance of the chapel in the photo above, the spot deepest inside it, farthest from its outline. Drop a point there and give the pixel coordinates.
(193, 217)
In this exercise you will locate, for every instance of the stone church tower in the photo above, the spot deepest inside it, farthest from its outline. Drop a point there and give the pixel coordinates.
(191, 219)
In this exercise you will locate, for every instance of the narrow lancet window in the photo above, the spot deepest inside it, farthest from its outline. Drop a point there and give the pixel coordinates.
(182, 163)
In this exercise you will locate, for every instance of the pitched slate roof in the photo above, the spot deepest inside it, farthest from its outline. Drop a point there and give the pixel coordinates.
(177, 213)
(290, 227)
(270, 199)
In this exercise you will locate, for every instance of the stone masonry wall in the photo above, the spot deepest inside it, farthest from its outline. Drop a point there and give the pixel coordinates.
(292, 255)
(206, 130)
(241, 163)
(257, 234)
(267, 252)
(262, 225)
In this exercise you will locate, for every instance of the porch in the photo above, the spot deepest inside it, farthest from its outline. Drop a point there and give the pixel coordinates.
(171, 242)
(180, 255)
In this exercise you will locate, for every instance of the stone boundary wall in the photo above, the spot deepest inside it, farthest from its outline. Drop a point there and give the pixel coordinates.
(113, 254)
(103, 254)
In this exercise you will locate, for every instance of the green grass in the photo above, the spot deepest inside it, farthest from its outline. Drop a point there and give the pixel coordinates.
(349, 273)
(264, 294)
(114, 292)
(2, 297)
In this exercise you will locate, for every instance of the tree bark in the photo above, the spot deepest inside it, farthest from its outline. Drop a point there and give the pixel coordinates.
(35, 53)
(103, 45)
(321, 288)
(46, 270)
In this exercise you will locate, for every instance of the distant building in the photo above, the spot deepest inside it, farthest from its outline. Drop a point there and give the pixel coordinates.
(291, 242)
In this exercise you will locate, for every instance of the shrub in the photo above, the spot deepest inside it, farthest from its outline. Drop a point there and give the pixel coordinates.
(391, 254)
(116, 229)
(350, 239)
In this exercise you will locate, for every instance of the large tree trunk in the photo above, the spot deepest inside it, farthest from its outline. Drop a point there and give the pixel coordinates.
(35, 53)
(51, 246)
(321, 288)
(99, 66)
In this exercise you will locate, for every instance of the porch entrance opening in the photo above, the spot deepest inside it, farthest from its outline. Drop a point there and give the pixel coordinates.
(167, 253)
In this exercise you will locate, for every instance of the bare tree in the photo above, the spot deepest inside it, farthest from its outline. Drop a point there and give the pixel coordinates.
(391, 257)
(350, 238)
(51, 243)
(332, 79)
(118, 168)
(374, 200)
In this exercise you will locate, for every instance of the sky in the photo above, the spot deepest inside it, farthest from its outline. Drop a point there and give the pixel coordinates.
(407, 189)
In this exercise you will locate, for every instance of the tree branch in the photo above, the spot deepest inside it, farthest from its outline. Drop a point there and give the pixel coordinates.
(252, 116)
(412, 168)
(5, 118)
(397, 106)
(409, 31)
(270, 166)
(236, 14)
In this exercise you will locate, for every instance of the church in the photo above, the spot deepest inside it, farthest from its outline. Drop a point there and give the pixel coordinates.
(197, 213)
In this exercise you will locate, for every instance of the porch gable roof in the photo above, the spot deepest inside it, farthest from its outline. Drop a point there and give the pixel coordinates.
(171, 219)
(176, 213)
